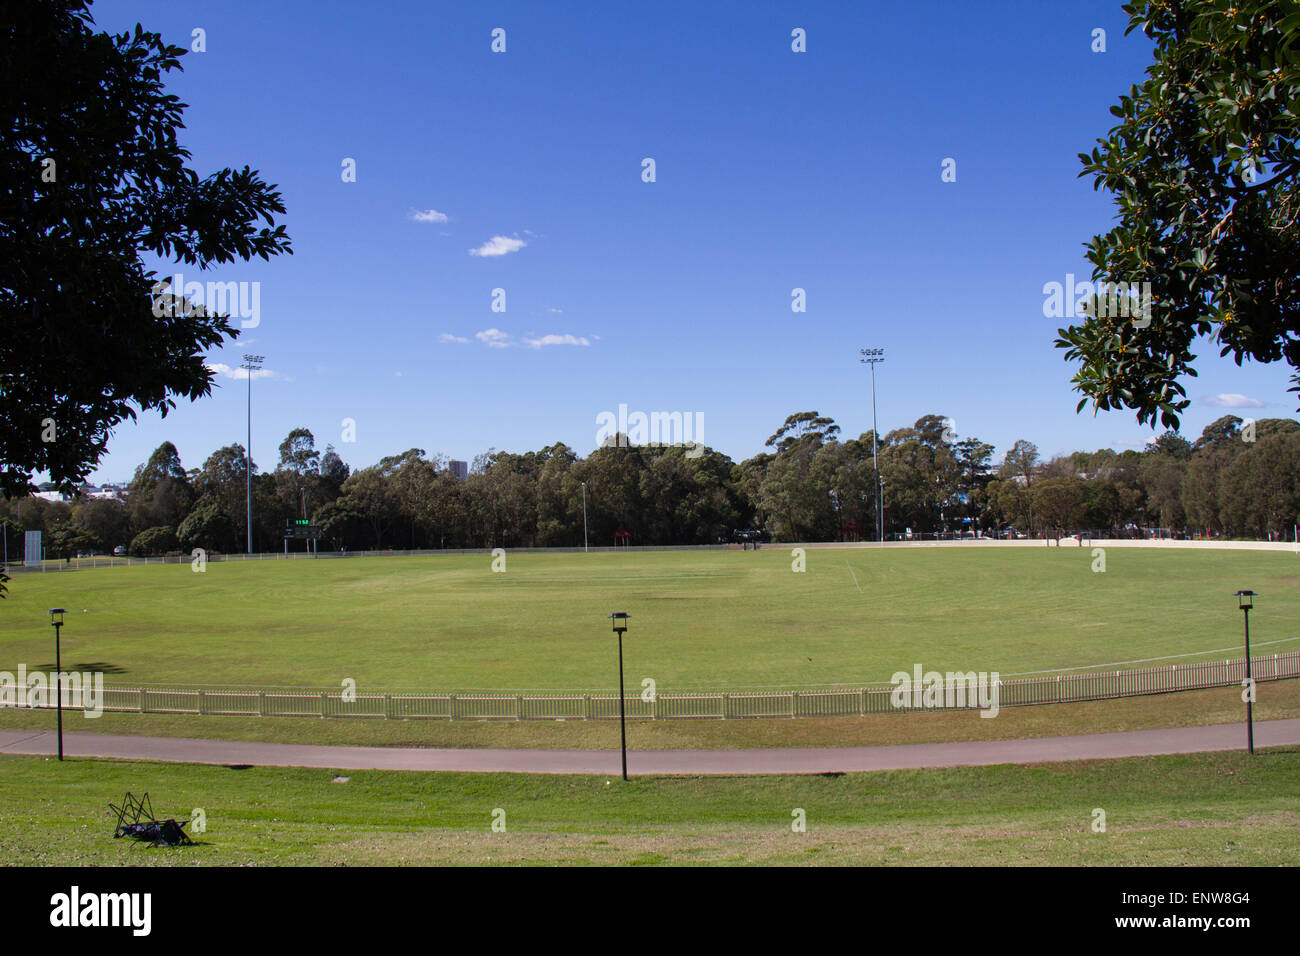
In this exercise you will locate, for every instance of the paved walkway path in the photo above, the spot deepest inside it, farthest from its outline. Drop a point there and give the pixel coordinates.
(1135, 743)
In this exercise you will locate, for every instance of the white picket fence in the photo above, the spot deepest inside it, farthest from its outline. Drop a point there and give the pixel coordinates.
(666, 705)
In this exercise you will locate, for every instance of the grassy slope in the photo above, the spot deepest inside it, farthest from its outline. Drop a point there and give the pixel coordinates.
(699, 618)
(1201, 809)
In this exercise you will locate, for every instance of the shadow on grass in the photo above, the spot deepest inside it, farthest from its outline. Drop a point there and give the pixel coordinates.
(102, 667)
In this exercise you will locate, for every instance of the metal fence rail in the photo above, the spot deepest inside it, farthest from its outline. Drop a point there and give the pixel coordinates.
(603, 705)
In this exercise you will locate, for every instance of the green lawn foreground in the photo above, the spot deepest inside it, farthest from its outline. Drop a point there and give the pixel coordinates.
(1202, 809)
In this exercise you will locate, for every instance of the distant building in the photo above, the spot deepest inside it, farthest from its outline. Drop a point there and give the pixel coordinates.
(459, 470)
(88, 492)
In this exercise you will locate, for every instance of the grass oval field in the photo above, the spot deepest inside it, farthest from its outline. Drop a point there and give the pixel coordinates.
(699, 618)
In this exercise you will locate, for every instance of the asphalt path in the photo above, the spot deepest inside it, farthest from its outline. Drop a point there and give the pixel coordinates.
(1133, 743)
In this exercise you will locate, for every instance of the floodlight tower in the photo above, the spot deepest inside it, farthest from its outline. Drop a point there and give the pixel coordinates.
(871, 357)
(252, 363)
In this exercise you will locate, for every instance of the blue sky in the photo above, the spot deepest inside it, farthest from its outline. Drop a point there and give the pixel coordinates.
(775, 170)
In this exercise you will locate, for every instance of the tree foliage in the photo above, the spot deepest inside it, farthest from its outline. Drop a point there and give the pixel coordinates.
(1233, 481)
(1206, 179)
(94, 177)
(152, 541)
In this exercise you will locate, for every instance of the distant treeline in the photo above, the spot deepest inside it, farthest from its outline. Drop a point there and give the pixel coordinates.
(1238, 479)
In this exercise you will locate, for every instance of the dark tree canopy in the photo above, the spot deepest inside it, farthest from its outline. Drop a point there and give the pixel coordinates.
(1206, 177)
(92, 177)
(803, 425)
(164, 463)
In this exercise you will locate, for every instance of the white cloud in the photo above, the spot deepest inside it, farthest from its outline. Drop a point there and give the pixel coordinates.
(1232, 400)
(553, 309)
(494, 338)
(397, 374)
(240, 374)
(429, 215)
(565, 339)
(498, 246)
(449, 338)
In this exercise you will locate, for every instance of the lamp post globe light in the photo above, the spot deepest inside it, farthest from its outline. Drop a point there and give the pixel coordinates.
(1245, 601)
(620, 619)
(872, 357)
(56, 619)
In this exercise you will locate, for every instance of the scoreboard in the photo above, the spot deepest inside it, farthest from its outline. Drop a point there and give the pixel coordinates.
(301, 528)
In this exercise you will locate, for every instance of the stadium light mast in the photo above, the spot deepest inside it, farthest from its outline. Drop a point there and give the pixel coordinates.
(871, 357)
(252, 363)
(1246, 600)
(584, 516)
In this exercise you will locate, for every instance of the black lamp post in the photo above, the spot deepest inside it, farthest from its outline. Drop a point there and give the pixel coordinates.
(620, 619)
(56, 618)
(1246, 600)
